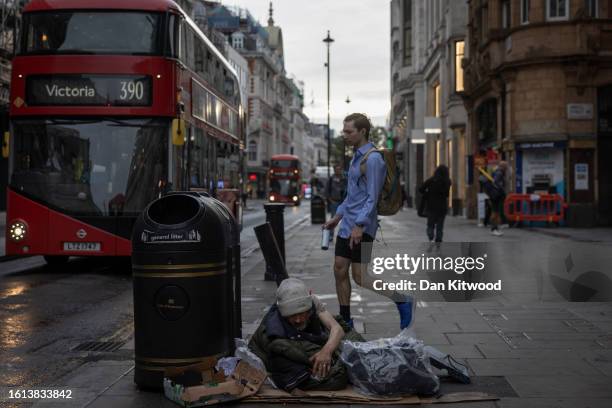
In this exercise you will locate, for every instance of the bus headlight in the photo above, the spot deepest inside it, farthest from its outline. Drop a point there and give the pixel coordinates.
(18, 231)
(295, 198)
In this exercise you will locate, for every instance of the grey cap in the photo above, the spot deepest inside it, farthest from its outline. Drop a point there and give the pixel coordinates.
(292, 297)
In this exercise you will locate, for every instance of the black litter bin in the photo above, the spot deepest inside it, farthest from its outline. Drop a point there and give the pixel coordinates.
(317, 210)
(186, 267)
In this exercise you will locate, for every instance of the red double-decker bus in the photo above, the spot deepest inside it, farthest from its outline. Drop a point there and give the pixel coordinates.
(285, 175)
(113, 104)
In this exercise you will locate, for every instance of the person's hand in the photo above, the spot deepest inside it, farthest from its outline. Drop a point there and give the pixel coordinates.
(356, 235)
(332, 222)
(321, 363)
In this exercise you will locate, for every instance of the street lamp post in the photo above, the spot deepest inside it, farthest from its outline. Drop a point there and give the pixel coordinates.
(328, 40)
(348, 100)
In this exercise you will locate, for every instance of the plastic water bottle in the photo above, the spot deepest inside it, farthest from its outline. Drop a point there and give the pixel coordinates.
(325, 239)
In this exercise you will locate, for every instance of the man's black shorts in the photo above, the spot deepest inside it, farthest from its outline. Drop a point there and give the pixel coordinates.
(359, 254)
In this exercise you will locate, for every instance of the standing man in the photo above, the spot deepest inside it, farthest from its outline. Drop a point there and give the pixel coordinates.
(358, 213)
(497, 199)
(335, 192)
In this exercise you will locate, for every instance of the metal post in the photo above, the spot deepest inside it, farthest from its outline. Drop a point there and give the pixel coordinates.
(275, 216)
(344, 169)
(328, 40)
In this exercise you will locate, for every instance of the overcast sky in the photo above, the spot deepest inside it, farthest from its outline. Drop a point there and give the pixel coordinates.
(359, 56)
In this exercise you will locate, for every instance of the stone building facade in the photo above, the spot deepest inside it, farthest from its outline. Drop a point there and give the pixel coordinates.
(427, 115)
(275, 118)
(538, 92)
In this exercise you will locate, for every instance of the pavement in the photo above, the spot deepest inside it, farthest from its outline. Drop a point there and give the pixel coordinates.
(530, 344)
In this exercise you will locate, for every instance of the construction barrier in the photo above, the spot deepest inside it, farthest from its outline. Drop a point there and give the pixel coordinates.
(534, 207)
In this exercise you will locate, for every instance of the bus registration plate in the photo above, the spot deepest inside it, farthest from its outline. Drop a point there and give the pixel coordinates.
(82, 246)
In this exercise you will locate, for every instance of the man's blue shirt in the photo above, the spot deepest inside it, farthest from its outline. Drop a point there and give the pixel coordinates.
(359, 206)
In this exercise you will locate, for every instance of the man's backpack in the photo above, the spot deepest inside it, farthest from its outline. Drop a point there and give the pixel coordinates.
(390, 198)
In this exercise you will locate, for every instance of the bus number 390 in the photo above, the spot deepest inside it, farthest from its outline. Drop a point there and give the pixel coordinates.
(131, 90)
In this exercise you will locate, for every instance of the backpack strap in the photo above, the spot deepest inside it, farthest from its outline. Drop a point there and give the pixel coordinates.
(364, 161)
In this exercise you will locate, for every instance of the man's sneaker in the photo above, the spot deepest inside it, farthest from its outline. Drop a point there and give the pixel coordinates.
(406, 312)
(497, 233)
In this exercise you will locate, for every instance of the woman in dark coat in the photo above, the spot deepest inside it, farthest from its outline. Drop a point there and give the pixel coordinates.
(435, 191)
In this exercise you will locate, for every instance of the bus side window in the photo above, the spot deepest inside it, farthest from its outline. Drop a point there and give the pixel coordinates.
(190, 53)
(199, 56)
(183, 42)
(212, 161)
(172, 42)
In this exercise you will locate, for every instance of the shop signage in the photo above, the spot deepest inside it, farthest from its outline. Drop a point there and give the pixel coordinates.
(581, 176)
(579, 111)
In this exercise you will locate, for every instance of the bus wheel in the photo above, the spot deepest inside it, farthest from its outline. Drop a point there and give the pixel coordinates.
(56, 260)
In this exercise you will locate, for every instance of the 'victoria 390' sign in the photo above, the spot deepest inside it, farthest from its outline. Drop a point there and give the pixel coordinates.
(88, 90)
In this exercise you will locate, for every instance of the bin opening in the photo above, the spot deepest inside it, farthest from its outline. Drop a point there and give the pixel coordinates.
(174, 209)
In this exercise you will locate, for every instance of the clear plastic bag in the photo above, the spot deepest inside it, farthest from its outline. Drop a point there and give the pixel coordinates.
(390, 367)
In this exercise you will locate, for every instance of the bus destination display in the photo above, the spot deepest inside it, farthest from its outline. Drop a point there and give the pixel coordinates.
(88, 90)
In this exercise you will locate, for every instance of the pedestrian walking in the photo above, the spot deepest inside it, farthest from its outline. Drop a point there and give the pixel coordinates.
(435, 193)
(496, 191)
(335, 191)
(358, 219)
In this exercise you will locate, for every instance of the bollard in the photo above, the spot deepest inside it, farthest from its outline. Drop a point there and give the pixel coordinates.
(317, 210)
(271, 253)
(275, 216)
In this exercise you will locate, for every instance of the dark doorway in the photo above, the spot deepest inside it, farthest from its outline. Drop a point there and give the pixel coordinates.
(604, 152)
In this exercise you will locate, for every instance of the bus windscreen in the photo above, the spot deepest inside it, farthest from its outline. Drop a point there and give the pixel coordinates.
(92, 32)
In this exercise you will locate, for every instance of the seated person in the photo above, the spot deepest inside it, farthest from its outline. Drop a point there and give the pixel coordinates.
(298, 341)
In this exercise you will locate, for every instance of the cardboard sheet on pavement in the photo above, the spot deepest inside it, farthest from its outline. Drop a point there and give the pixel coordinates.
(267, 394)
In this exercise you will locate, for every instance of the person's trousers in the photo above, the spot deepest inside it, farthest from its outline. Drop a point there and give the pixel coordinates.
(497, 209)
(435, 222)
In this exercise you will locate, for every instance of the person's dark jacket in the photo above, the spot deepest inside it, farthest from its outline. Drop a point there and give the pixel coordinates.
(286, 352)
(435, 191)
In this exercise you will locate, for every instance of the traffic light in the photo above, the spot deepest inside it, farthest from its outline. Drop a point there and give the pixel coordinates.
(390, 139)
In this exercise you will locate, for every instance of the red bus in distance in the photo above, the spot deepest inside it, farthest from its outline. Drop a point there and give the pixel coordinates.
(113, 104)
(285, 174)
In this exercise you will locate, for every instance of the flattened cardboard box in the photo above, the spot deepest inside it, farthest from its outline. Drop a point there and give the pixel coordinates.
(349, 395)
(215, 387)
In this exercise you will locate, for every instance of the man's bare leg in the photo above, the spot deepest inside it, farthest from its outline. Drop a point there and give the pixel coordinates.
(361, 277)
(343, 286)
(405, 304)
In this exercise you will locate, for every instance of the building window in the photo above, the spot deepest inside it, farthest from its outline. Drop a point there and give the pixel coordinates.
(252, 150)
(486, 116)
(557, 10)
(591, 7)
(484, 23)
(459, 53)
(407, 32)
(505, 14)
(238, 42)
(525, 5)
(436, 100)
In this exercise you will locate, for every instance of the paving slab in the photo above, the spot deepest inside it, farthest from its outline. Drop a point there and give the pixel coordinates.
(573, 386)
(475, 338)
(584, 402)
(532, 366)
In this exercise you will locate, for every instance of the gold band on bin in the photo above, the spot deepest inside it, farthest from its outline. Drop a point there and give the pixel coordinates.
(193, 360)
(178, 275)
